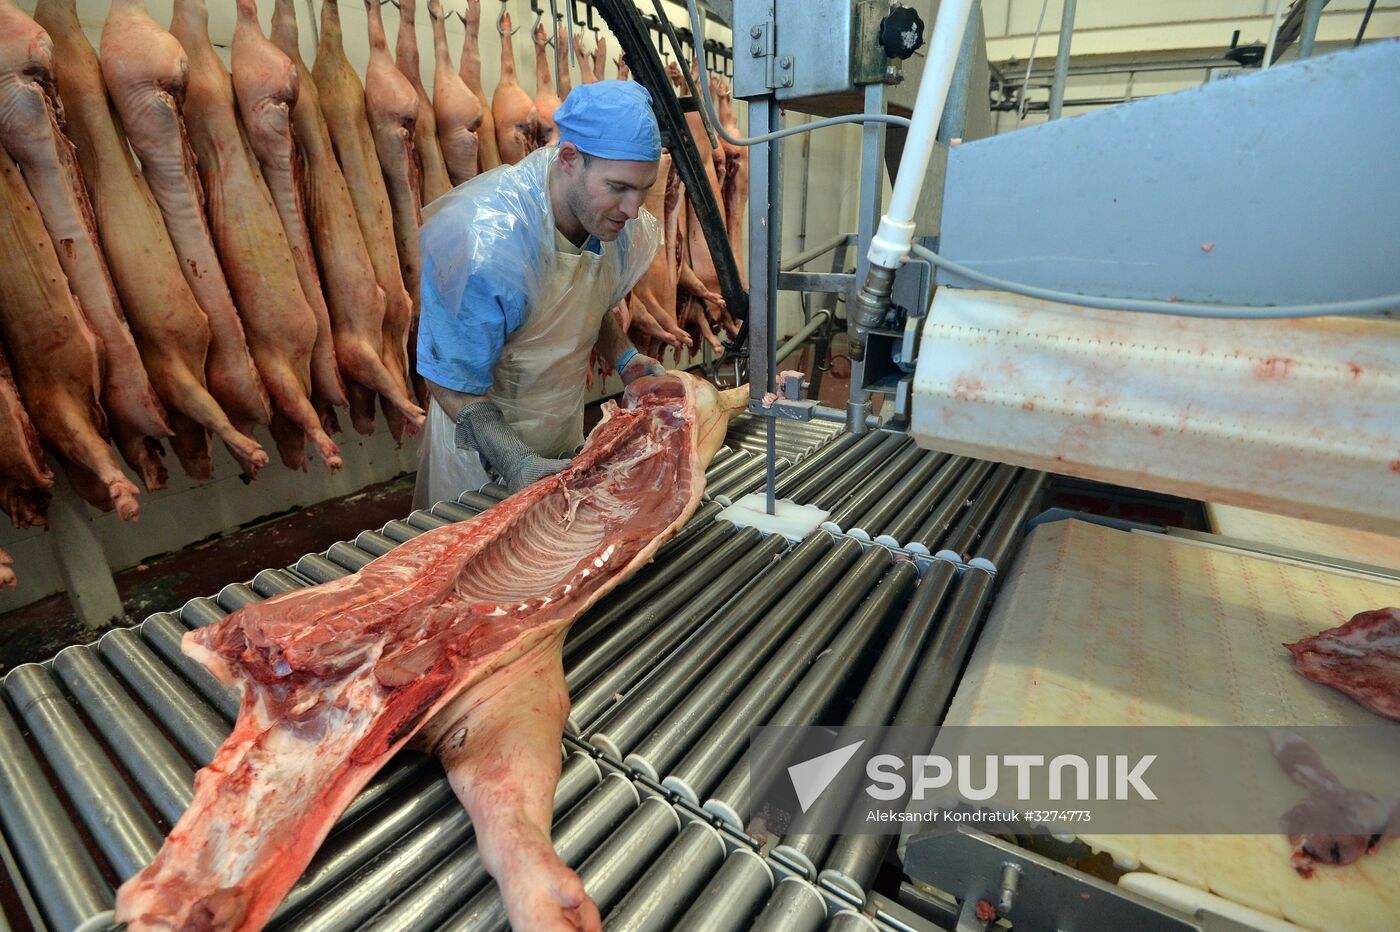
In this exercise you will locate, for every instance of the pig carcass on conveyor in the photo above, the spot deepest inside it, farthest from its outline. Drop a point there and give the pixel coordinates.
(453, 642)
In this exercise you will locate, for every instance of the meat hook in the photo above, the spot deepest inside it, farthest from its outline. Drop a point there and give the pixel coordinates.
(505, 8)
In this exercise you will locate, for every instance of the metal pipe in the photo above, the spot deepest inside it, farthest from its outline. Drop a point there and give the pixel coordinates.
(1365, 21)
(424, 869)
(62, 875)
(320, 570)
(165, 635)
(575, 836)
(714, 750)
(351, 557)
(874, 448)
(740, 459)
(795, 906)
(879, 516)
(819, 318)
(802, 258)
(704, 516)
(855, 859)
(1057, 88)
(426, 521)
(647, 586)
(109, 810)
(477, 500)
(996, 546)
(235, 596)
(671, 883)
(670, 739)
(495, 490)
(848, 920)
(400, 531)
(878, 698)
(1312, 14)
(651, 644)
(202, 612)
(831, 461)
(875, 485)
(452, 511)
(348, 851)
(275, 582)
(829, 672)
(628, 721)
(621, 859)
(681, 580)
(978, 519)
(948, 508)
(28, 908)
(392, 779)
(843, 485)
(737, 890)
(188, 719)
(1269, 47)
(155, 766)
(815, 462)
(747, 479)
(374, 542)
(912, 513)
(1075, 71)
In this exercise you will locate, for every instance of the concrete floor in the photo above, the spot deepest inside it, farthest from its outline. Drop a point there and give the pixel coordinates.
(38, 631)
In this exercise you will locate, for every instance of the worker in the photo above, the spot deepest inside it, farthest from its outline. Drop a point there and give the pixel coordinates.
(520, 268)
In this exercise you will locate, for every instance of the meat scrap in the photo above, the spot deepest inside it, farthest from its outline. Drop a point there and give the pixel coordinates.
(1361, 658)
(1332, 824)
(453, 642)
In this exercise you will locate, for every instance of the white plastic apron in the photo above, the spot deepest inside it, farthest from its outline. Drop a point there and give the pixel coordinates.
(538, 383)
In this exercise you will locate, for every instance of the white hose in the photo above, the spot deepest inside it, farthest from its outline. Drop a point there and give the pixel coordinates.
(896, 233)
(1179, 308)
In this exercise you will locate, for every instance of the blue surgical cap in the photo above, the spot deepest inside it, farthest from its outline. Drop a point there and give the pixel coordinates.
(610, 119)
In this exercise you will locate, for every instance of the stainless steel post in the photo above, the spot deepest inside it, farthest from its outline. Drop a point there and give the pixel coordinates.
(1312, 14)
(1057, 87)
(871, 177)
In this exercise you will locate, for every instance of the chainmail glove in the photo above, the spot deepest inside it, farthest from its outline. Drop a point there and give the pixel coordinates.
(482, 427)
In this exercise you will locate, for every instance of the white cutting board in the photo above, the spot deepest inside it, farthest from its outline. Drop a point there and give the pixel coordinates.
(1095, 626)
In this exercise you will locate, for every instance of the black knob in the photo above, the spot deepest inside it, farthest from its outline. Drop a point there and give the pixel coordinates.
(901, 33)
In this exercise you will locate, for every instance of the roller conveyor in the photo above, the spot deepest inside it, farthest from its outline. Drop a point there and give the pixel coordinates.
(726, 629)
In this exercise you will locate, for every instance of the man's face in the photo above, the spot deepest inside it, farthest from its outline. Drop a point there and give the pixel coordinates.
(605, 194)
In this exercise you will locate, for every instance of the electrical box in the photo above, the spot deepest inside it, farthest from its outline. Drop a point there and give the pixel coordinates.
(815, 56)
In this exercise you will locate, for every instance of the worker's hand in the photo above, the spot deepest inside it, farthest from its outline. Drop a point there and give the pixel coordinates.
(532, 469)
(481, 427)
(639, 366)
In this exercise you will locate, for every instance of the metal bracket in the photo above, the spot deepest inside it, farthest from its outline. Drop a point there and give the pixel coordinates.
(1030, 889)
